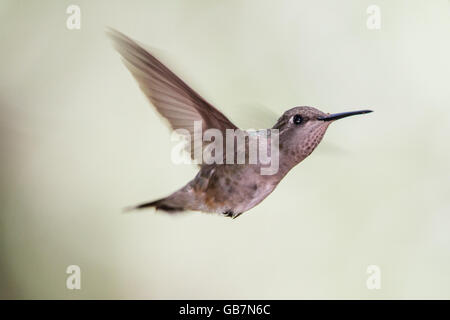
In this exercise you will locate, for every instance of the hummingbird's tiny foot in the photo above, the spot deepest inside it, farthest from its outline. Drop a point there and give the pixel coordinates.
(228, 213)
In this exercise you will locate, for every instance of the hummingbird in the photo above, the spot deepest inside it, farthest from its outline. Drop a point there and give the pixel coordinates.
(229, 189)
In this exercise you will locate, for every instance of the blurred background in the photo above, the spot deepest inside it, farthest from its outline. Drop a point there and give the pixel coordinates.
(79, 142)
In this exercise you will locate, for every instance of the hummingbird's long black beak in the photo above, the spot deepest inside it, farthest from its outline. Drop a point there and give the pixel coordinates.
(341, 115)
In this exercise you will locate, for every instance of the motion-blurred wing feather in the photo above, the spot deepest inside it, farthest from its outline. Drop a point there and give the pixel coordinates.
(172, 98)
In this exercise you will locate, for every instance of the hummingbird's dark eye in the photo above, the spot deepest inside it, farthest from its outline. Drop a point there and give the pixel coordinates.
(297, 119)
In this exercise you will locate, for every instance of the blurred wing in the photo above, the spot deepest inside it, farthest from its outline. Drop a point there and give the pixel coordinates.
(172, 98)
(255, 116)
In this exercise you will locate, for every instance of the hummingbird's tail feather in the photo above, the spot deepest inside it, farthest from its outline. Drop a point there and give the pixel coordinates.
(161, 204)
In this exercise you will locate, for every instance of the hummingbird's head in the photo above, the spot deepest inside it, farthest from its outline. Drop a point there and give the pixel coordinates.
(301, 129)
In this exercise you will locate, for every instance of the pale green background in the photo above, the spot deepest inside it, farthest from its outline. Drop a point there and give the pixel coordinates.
(79, 142)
